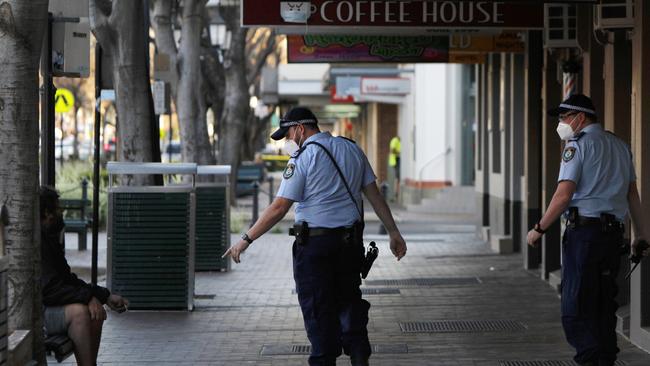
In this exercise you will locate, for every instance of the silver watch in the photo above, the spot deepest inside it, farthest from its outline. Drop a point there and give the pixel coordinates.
(246, 238)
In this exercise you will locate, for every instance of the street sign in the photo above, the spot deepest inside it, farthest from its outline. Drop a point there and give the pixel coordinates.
(416, 15)
(160, 93)
(351, 48)
(385, 86)
(63, 100)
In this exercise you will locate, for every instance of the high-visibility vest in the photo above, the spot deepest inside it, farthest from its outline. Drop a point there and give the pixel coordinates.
(395, 149)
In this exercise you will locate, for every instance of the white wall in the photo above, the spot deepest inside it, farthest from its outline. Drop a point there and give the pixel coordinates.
(430, 119)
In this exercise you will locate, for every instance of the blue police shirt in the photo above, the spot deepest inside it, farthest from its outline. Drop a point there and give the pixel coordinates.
(312, 180)
(601, 166)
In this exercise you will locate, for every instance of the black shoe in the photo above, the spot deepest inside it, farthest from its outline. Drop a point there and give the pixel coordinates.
(355, 361)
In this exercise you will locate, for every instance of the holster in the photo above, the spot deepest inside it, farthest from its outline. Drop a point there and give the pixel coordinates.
(301, 232)
(572, 218)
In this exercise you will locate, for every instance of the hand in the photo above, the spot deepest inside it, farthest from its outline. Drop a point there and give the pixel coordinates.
(96, 309)
(117, 303)
(236, 250)
(397, 245)
(533, 238)
(635, 243)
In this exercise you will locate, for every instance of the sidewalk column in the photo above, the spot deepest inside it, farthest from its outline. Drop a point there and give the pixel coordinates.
(533, 60)
(616, 118)
(592, 58)
(552, 96)
(517, 148)
(640, 132)
(499, 122)
(482, 153)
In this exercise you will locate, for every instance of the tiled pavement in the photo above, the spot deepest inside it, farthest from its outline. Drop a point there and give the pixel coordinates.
(253, 305)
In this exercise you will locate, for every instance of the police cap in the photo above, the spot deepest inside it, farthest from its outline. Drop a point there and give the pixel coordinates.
(296, 116)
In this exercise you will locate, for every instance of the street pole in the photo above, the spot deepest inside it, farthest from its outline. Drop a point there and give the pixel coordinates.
(98, 117)
(48, 143)
(61, 141)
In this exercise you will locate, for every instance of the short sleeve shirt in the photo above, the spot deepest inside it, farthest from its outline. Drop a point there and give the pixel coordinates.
(311, 180)
(600, 164)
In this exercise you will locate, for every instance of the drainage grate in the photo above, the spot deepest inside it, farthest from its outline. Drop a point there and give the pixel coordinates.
(302, 349)
(436, 281)
(204, 297)
(462, 326)
(374, 291)
(549, 363)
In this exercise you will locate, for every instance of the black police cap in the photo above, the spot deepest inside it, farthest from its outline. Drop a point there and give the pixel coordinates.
(577, 103)
(296, 116)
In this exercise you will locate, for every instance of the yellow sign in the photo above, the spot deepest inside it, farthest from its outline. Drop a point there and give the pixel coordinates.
(63, 100)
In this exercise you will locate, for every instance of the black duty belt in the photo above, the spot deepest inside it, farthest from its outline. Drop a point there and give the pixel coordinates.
(595, 221)
(319, 231)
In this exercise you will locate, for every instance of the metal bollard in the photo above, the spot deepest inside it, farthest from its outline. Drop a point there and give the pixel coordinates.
(256, 203)
(271, 190)
(384, 193)
(84, 197)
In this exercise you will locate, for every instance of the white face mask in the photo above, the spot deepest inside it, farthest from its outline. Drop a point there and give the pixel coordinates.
(290, 146)
(564, 130)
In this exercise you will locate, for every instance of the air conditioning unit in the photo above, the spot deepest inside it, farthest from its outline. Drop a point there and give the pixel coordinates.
(614, 14)
(560, 22)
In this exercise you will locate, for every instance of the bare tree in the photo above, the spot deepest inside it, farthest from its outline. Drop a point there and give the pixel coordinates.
(22, 25)
(185, 63)
(119, 28)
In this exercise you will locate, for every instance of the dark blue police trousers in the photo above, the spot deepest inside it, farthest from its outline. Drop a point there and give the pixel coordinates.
(327, 274)
(590, 264)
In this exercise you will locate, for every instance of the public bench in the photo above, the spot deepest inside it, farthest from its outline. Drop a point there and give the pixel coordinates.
(76, 215)
(60, 346)
(247, 176)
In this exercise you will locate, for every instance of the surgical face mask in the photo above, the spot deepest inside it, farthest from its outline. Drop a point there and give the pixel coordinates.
(291, 146)
(564, 130)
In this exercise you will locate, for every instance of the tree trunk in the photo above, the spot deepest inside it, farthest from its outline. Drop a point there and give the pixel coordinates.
(119, 29)
(190, 103)
(22, 25)
(187, 90)
(236, 105)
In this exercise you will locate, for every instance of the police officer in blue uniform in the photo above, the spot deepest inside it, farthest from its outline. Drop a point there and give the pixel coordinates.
(596, 191)
(326, 176)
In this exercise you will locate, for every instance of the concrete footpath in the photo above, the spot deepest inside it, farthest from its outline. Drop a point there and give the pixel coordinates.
(449, 302)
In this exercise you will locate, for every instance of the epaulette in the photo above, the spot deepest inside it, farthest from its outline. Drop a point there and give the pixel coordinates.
(352, 141)
(578, 136)
(611, 133)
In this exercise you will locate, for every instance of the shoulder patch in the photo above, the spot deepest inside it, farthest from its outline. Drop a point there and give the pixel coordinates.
(568, 153)
(289, 170)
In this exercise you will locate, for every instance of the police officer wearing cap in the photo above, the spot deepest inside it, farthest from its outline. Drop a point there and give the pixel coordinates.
(596, 191)
(326, 176)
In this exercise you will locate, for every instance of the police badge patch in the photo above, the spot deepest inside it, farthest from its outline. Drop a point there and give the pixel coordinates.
(289, 170)
(568, 154)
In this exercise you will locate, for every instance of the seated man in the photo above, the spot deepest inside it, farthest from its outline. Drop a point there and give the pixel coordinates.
(71, 306)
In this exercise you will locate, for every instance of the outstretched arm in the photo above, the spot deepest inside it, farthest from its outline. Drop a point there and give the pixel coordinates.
(271, 216)
(397, 244)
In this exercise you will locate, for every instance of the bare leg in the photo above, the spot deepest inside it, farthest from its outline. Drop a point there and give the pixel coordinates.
(79, 330)
(96, 336)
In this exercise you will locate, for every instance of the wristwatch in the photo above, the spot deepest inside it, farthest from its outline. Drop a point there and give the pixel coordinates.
(538, 228)
(247, 238)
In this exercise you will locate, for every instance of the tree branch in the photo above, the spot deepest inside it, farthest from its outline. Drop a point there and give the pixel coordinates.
(255, 71)
(99, 12)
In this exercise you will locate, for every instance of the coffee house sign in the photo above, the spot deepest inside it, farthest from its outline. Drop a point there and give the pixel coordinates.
(402, 13)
